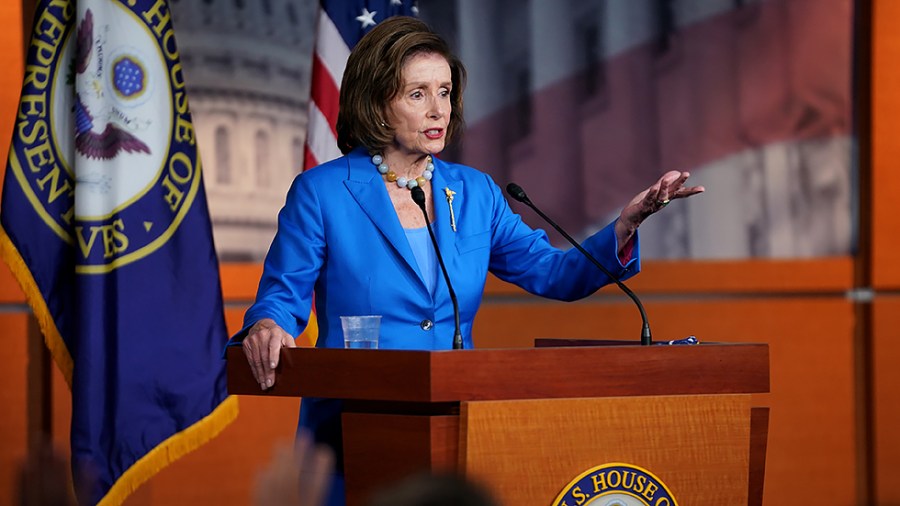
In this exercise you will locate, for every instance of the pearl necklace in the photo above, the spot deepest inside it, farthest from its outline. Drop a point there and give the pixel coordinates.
(402, 182)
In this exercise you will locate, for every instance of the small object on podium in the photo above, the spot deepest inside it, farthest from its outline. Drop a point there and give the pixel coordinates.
(361, 332)
(687, 340)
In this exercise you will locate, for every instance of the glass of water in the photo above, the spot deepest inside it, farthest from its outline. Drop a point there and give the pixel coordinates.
(361, 332)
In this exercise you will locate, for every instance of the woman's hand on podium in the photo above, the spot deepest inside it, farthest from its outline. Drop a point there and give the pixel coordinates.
(262, 346)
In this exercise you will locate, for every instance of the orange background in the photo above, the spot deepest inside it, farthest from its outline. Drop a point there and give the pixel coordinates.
(835, 395)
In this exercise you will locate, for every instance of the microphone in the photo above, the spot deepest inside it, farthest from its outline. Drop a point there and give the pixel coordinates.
(515, 191)
(418, 196)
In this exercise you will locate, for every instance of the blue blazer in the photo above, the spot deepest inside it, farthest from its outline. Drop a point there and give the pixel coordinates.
(338, 235)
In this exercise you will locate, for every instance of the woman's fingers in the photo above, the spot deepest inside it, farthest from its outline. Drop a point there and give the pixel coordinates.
(251, 350)
(262, 346)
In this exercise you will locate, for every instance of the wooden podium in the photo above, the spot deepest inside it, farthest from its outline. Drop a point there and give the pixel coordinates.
(526, 422)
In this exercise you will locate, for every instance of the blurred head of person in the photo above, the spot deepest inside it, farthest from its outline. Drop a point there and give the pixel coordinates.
(433, 490)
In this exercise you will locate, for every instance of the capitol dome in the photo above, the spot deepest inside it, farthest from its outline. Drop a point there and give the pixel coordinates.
(247, 66)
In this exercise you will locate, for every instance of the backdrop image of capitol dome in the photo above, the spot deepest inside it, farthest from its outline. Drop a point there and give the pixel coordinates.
(248, 66)
(581, 102)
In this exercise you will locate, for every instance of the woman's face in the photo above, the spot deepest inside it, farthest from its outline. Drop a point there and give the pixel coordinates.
(420, 113)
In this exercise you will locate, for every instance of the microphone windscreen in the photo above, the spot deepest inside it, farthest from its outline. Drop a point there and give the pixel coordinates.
(515, 191)
(418, 196)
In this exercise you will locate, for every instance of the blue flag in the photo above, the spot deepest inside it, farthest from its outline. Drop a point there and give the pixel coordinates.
(105, 225)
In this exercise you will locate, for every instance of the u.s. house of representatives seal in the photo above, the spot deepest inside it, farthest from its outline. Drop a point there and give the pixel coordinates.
(616, 484)
(104, 146)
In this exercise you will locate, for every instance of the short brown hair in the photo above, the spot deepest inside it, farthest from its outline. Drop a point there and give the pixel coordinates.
(373, 77)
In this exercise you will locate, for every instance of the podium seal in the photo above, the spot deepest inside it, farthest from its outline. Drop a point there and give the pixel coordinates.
(615, 484)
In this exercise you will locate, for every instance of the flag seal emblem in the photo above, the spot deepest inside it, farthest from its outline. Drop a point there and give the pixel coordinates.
(103, 204)
(616, 484)
(104, 147)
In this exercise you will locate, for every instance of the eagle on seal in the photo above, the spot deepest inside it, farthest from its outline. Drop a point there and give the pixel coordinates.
(112, 140)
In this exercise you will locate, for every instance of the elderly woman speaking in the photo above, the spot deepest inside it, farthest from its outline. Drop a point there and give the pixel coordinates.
(350, 232)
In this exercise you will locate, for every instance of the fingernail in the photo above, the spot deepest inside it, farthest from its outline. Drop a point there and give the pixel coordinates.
(262, 386)
(270, 382)
(272, 365)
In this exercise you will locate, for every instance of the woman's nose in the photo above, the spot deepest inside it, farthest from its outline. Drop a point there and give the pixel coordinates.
(437, 108)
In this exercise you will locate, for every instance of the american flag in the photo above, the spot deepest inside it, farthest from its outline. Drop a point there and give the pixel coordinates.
(340, 25)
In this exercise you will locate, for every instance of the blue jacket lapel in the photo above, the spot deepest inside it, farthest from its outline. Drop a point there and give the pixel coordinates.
(367, 188)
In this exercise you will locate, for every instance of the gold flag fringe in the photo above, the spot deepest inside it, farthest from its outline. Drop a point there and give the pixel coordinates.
(35, 299)
(173, 448)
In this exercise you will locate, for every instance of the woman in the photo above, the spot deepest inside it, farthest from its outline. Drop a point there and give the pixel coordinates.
(351, 232)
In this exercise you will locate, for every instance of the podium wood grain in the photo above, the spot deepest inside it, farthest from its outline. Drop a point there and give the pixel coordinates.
(402, 408)
(527, 451)
(380, 449)
(496, 374)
